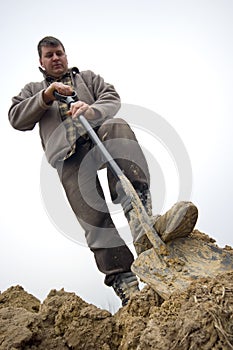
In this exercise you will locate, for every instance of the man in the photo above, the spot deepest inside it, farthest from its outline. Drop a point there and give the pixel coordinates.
(72, 153)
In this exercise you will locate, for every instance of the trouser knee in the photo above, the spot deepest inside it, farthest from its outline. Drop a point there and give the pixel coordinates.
(116, 128)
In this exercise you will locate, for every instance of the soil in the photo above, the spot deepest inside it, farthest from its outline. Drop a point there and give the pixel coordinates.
(201, 317)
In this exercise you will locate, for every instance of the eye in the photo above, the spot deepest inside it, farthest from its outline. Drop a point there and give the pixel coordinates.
(60, 53)
(49, 55)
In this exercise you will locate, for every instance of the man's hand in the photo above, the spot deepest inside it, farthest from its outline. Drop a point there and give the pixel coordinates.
(61, 88)
(79, 107)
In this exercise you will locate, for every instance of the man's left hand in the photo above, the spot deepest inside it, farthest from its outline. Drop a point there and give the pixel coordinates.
(79, 107)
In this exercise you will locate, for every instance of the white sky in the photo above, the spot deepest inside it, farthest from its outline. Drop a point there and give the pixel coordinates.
(171, 57)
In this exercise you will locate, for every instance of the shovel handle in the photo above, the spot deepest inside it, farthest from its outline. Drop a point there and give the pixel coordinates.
(92, 134)
(95, 139)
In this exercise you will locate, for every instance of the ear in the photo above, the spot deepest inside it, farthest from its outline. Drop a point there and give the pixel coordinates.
(41, 64)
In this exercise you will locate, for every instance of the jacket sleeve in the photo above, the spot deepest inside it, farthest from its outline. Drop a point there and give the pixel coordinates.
(27, 108)
(107, 101)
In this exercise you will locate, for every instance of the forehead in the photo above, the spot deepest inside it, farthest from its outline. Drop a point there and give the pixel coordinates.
(49, 48)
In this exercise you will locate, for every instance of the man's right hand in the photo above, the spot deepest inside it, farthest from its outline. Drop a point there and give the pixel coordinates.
(63, 89)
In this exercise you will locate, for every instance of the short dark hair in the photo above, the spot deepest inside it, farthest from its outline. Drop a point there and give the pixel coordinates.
(48, 41)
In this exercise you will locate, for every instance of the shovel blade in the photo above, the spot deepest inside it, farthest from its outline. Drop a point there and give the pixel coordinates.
(187, 260)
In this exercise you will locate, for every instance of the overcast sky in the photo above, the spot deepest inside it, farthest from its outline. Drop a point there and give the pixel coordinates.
(173, 58)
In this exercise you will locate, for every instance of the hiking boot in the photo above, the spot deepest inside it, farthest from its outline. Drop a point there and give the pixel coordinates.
(124, 285)
(177, 222)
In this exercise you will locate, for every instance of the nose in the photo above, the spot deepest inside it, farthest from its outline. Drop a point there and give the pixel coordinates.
(55, 56)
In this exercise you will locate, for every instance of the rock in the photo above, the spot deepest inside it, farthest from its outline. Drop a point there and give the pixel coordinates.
(17, 297)
(18, 327)
(79, 324)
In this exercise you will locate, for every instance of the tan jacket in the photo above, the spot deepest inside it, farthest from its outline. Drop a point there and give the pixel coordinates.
(28, 109)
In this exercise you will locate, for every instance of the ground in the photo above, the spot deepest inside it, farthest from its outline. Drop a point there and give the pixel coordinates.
(201, 317)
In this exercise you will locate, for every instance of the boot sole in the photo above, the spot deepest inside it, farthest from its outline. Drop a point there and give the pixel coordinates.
(179, 221)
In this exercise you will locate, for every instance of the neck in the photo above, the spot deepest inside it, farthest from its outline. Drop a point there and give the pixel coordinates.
(49, 77)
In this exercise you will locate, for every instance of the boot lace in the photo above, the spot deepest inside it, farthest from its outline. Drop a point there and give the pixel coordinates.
(124, 285)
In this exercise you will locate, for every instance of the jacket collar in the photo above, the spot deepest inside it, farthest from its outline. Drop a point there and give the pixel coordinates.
(71, 71)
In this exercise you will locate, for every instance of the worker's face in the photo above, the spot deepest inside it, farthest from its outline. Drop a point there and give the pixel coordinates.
(54, 60)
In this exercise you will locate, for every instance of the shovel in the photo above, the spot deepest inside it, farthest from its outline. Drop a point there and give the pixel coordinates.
(167, 268)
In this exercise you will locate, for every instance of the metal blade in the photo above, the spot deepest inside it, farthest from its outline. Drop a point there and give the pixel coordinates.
(188, 260)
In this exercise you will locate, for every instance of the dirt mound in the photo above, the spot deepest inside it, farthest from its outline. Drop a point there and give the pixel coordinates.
(199, 318)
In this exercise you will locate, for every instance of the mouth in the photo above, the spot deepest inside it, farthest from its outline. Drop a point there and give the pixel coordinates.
(57, 66)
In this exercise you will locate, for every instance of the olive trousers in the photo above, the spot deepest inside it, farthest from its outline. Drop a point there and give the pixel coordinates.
(78, 175)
